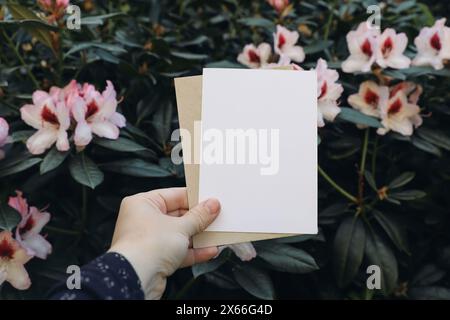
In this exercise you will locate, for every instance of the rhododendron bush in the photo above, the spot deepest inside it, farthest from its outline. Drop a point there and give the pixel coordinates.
(86, 118)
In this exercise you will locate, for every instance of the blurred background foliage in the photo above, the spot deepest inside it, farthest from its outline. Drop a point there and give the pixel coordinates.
(141, 46)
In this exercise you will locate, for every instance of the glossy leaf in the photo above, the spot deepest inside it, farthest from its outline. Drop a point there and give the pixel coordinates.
(379, 254)
(286, 258)
(9, 217)
(254, 280)
(136, 168)
(352, 115)
(348, 249)
(85, 171)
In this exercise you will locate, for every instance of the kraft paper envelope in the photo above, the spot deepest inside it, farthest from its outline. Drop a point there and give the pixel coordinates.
(189, 104)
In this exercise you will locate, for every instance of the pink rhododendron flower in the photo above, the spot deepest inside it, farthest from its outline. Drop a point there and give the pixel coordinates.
(411, 90)
(255, 57)
(390, 50)
(433, 45)
(12, 260)
(369, 98)
(51, 118)
(396, 106)
(363, 45)
(279, 5)
(95, 113)
(285, 44)
(328, 93)
(29, 228)
(4, 130)
(399, 115)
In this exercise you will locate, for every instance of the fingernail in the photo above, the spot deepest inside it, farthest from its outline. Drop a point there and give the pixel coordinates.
(213, 205)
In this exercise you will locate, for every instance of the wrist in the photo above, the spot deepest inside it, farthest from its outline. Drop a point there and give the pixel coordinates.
(153, 281)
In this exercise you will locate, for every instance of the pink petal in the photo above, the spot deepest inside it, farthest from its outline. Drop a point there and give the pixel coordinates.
(83, 134)
(245, 251)
(4, 130)
(31, 115)
(40, 247)
(19, 203)
(42, 140)
(17, 276)
(105, 129)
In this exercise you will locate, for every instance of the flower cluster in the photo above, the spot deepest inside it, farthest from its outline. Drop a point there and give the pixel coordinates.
(328, 94)
(396, 106)
(329, 91)
(17, 250)
(76, 106)
(369, 47)
(4, 130)
(285, 48)
(56, 8)
(433, 45)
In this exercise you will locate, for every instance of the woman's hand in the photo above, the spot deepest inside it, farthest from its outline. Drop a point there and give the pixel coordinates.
(153, 232)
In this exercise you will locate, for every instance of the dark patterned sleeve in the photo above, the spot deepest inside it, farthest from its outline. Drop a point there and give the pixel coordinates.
(108, 277)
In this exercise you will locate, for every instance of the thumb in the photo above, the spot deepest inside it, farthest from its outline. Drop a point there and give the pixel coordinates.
(200, 216)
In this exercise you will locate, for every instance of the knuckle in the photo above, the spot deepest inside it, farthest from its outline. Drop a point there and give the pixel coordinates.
(127, 202)
(200, 219)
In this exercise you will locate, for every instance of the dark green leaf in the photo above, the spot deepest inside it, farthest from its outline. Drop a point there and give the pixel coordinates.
(99, 20)
(30, 23)
(435, 137)
(112, 48)
(85, 171)
(254, 280)
(257, 22)
(430, 293)
(189, 56)
(120, 144)
(357, 117)
(333, 210)
(428, 275)
(426, 146)
(9, 217)
(392, 229)
(318, 46)
(52, 160)
(209, 266)
(286, 258)
(370, 180)
(379, 254)
(136, 168)
(348, 249)
(401, 180)
(19, 167)
(221, 280)
(408, 195)
(21, 136)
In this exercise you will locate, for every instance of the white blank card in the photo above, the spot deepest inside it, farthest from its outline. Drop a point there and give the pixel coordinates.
(259, 149)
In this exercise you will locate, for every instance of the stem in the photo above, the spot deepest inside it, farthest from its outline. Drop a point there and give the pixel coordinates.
(362, 167)
(374, 156)
(329, 22)
(336, 186)
(22, 61)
